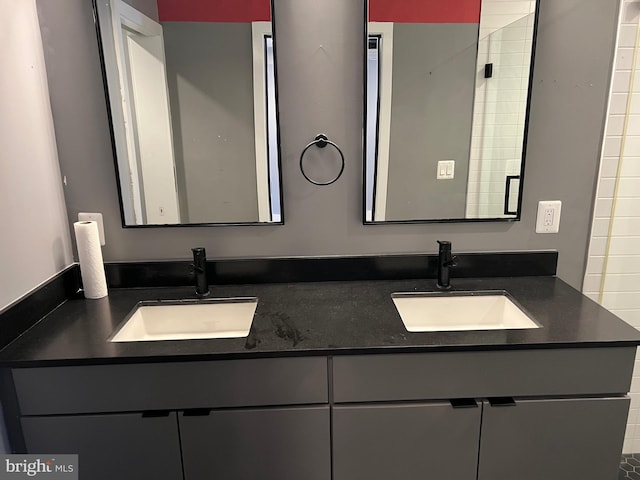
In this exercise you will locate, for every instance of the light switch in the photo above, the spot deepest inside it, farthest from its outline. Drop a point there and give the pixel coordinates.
(446, 169)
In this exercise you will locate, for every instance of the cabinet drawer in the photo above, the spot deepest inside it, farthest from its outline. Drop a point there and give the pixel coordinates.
(445, 375)
(169, 386)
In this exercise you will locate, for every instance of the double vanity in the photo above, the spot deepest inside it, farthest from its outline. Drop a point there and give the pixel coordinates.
(334, 380)
(232, 317)
(316, 369)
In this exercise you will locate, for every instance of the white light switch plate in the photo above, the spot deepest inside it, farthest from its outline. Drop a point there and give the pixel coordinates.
(446, 169)
(94, 217)
(548, 220)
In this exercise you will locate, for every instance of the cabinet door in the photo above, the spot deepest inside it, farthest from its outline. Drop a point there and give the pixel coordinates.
(265, 444)
(553, 439)
(408, 441)
(123, 447)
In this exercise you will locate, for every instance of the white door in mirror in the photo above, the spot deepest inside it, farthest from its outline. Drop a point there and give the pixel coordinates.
(548, 220)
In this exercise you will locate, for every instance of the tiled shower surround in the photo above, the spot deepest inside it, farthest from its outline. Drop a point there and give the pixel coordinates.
(500, 104)
(613, 269)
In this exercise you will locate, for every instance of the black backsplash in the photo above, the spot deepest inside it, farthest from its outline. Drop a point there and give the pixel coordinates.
(20, 316)
(287, 270)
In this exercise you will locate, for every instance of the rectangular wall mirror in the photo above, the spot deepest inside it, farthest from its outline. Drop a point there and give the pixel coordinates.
(191, 90)
(447, 101)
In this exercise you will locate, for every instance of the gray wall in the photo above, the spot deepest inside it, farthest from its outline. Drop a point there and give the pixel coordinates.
(148, 7)
(320, 68)
(210, 79)
(434, 72)
(34, 244)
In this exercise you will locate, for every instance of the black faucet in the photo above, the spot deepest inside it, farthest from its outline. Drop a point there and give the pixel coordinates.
(200, 271)
(445, 262)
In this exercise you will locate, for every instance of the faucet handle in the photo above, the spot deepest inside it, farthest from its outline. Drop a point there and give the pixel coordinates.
(199, 254)
(199, 269)
(452, 262)
(199, 260)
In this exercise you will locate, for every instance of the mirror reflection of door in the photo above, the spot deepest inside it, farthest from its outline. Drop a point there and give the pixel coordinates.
(192, 93)
(139, 47)
(447, 101)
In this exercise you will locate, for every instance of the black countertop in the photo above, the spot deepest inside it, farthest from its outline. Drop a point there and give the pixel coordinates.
(294, 319)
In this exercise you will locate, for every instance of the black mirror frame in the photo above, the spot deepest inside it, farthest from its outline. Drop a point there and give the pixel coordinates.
(103, 70)
(517, 216)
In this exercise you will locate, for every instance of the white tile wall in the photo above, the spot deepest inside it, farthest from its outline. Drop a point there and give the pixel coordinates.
(497, 14)
(506, 28)
(614, 253)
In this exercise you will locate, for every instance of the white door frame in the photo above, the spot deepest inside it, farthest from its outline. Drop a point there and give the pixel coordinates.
(259, 30)
(385, 30)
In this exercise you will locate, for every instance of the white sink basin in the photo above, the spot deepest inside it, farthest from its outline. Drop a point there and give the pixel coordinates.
(184, 320)
(456, 311)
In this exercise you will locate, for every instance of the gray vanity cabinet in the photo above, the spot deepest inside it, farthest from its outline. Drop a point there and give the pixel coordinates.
(534, 414)
(407, 441)
(549, 414)
(111, 446)
(248, 444)
(227, 419)
(552, 439)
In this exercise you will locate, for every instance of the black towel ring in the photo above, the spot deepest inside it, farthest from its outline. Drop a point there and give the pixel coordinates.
(321, 141)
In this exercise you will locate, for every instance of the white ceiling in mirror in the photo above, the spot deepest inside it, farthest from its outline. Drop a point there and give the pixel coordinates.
(446, 111)
(192, 96)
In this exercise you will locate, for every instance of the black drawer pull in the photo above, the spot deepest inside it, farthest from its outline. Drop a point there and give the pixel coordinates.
(155, 413)
(502, 402)
(197, 412)
(463, 403)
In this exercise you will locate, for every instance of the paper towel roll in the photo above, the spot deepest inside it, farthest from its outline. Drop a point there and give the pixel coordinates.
(94, 280)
